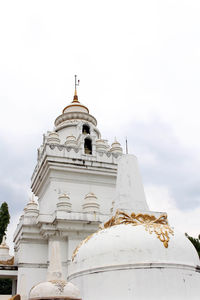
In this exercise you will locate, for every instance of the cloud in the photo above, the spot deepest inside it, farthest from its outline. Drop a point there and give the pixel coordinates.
(18, 159)
(160, 199)
(170, 171)
(164, 161)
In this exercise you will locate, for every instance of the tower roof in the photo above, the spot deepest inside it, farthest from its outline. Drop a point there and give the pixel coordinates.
(74, 111)
(75, 105)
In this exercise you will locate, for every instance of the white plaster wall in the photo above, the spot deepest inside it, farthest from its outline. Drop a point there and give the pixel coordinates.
(63, 253)
(141, 284)
(32, 265)
(28, 277)
(73, 243)
(67, 131)
(77, 185)
(129, 188)
(74, 127)
(34, 261)
(32, 252)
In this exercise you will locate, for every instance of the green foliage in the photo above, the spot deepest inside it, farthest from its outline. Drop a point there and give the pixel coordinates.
(4, 219)
(5, 286)
(195, 242)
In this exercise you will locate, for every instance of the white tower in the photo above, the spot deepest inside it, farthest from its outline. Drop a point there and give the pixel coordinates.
(74, 180)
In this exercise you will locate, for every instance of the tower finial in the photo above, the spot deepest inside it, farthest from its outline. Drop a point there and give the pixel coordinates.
(126, 145)
(75, 99)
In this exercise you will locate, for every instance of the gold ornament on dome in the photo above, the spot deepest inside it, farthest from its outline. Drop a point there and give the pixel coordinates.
(81, 243)
(152, 224)
(159, 226)
(60, 284)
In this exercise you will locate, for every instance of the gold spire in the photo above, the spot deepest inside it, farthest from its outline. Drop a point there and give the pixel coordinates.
(75, 103)
(75, 99)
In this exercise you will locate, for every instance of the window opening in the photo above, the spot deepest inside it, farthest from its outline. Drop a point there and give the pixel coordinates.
(88, 146)
(86, 129)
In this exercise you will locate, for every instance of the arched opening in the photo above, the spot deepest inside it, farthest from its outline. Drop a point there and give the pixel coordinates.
(88, 146)
(86, 129)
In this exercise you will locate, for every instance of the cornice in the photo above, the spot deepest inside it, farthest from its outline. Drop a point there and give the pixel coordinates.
(49, 150)
(33, 265)
(137, 266)
(71, 165)
(60, 226)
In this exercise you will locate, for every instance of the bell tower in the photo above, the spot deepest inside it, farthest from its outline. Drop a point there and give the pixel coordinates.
(74, 181)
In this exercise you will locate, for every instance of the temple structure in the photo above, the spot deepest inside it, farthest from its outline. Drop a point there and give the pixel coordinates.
(90, 235)
(74, 181)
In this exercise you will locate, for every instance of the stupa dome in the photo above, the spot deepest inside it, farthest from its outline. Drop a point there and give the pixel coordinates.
(135, 254)
(5, 258)
(55, 289)
(135, 246)
(136, 262)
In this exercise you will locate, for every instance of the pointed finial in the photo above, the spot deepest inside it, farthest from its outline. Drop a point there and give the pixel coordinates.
(33, 199)
(3, 243)
(75, 99)
(126, 145)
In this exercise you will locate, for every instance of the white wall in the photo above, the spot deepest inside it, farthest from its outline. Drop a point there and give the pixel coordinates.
(5, 297)
(159, 283)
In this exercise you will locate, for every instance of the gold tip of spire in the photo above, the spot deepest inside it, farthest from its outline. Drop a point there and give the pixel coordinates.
(75, 99)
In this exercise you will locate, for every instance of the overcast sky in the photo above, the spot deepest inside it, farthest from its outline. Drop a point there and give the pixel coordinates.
(139, 68)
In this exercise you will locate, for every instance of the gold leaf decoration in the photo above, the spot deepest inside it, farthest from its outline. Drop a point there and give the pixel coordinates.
(60, 284)
(151, 224)
(81, 243)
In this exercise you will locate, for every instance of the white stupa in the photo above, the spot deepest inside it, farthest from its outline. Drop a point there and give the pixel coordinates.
(5, 258)
(136, 254)
(56, 287)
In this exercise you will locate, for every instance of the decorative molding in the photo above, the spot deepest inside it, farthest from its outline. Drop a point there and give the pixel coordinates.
(132, 266)
(33, 265)
(68, 116)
